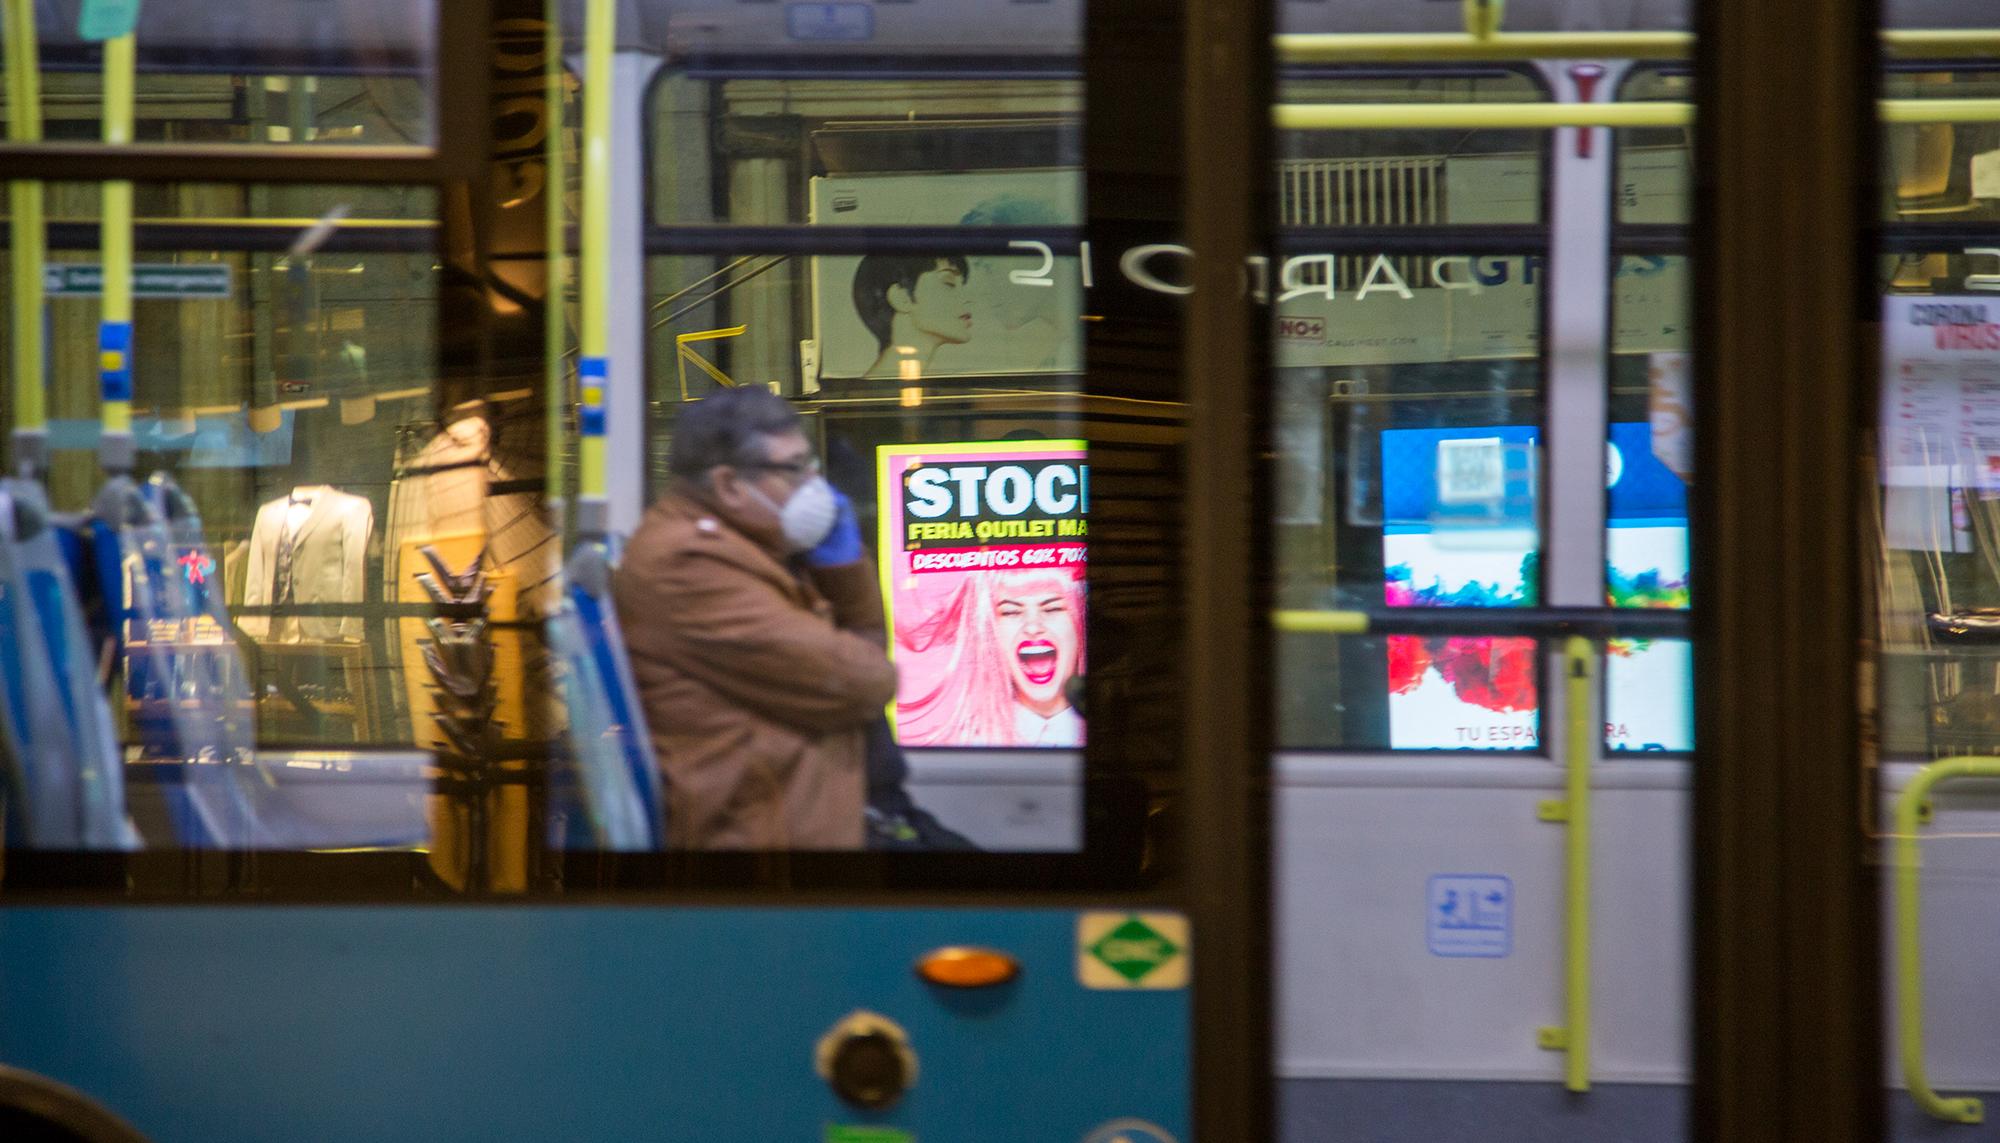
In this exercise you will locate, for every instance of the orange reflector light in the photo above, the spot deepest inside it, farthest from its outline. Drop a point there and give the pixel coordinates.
(960, 967)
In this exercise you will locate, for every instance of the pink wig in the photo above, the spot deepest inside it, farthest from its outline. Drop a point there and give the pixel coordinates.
(973, 703)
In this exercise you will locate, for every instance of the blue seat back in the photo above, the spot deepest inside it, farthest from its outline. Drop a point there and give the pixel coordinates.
(606, 791)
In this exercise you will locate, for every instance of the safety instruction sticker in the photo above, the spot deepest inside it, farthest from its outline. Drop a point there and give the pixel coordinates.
(1132, 950)
(1470, 915)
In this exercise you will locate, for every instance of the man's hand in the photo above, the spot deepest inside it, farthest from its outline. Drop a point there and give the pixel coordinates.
(843, 544)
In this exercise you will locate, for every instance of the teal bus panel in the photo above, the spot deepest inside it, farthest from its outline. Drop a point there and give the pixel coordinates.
(221, 1024)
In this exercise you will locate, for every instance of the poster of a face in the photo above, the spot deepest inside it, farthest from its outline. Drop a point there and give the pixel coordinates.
(917, 317)
(1458, 531)
(982, 549)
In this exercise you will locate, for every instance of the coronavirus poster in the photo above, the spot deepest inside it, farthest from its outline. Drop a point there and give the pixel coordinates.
(982, 550)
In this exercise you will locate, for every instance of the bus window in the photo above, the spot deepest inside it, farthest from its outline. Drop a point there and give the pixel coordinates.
(297, 73)
(1932, 581)
(1447, 496)
(331, 510)
(917, 291)
(1649, 457)
(1408, 349)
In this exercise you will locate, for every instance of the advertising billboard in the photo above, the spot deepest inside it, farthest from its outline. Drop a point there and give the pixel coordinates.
(1648, 683)
(982, 550)
(914, 317)
(1459, 530)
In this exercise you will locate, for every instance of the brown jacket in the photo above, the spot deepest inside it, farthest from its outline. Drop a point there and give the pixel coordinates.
(758, 682)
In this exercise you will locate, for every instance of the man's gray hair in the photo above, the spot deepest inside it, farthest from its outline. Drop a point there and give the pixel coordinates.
(730, 428)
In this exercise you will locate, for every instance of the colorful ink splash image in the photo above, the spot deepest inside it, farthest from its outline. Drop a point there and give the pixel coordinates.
(1485, 672)
(1650, 588)
(1491, 674)
(1459, 531)
(1649, 693)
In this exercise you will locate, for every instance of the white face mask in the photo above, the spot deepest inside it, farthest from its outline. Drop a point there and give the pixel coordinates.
(807, 516)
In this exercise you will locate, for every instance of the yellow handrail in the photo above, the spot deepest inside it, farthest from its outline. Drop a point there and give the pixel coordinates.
(1940, 110)
(1439, 47)
(114, 329)
(593, 364)
(27, 250)
(1583, 740)
(555, 221)
(1904, 43)
(1498, 116)
(1483, 18)
(1909, 936)
(1321, 622)
(1537, 116)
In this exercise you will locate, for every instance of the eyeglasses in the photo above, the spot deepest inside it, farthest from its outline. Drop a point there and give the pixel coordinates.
(798, 469)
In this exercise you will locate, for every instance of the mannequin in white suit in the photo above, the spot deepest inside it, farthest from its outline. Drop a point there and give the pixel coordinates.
(309, 546)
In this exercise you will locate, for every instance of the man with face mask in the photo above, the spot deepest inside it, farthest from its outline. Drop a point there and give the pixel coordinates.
(754, 624)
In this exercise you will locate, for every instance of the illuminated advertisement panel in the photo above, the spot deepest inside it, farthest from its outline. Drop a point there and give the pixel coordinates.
(983, 554)
(1459, 531)
(928, 316)
(1648, 683)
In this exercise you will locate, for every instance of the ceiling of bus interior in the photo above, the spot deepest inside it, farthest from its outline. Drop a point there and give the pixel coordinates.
(375, 31)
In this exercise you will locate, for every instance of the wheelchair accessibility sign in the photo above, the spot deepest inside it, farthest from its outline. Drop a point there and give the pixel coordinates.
(1470, 915)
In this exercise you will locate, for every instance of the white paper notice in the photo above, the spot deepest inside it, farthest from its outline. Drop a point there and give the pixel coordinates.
(1986, 175)
(1921, 405)
(1979, 444)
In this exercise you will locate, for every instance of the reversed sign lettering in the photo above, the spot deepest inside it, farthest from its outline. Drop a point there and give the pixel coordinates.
(149, 280)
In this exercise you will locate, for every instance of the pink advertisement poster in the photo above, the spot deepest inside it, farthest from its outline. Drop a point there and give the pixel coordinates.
(982, 549)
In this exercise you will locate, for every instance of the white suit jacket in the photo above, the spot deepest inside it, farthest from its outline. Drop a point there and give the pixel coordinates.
(329, 554)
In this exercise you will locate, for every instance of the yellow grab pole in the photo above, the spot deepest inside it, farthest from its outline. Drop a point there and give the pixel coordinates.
(1482, 18)
(1536, 116)
(555, 219)
(1320, 622)
(1910, 942)
(1582, 740)
(1444, 47)
(1497, 116)
(114, 329)
(593, 367)
(28, 249)
(1940, 111)
(1937, 43)
(1440, 47)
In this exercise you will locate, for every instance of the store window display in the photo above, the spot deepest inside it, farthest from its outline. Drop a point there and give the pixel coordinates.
(309, 546)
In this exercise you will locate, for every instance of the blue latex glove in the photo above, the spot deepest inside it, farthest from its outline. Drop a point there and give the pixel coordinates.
(843, 544)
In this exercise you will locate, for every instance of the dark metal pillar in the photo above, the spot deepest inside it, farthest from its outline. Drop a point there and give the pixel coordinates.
(1229, 185)
(1787, 983)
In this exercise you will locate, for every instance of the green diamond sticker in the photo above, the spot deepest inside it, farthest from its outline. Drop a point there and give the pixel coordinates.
(839, 1133)
(1134, 949)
